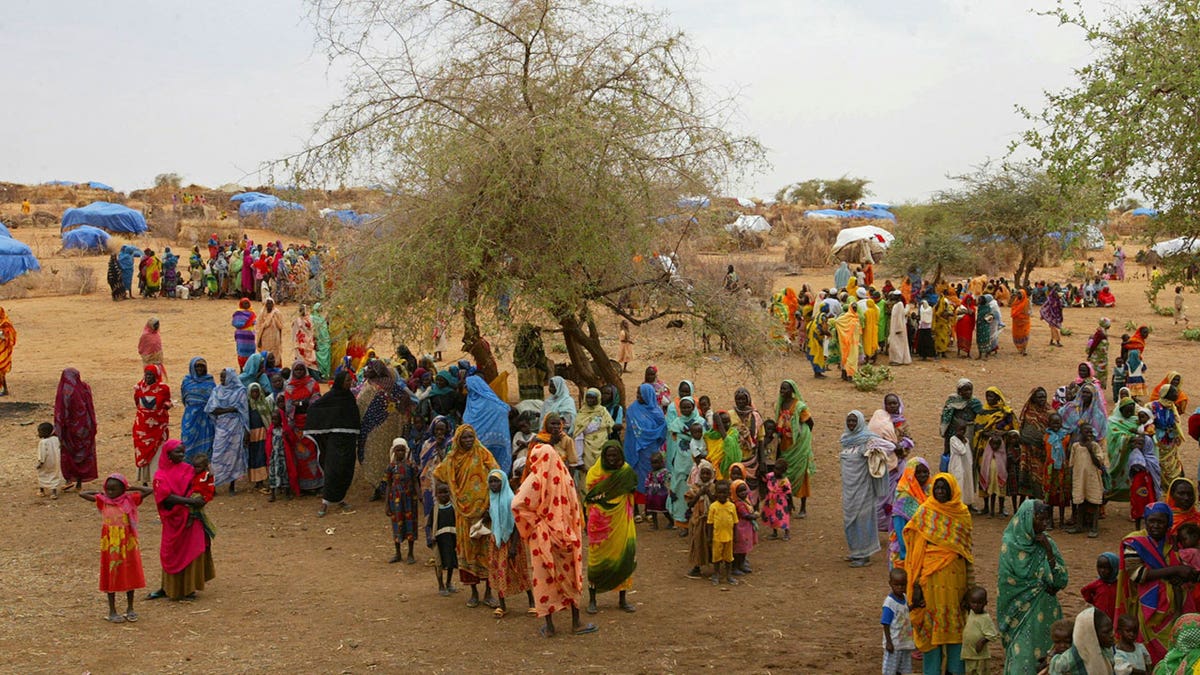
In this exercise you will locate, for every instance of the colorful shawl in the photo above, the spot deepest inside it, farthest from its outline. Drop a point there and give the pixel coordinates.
(182, 537)
(1028, 580)
(150, 343)
(466, 470)
(232, 394)
(1052, 311)
(792, 425)
(196, 428)
(500, 508)
(612, 538)
(546, 510)
(1184, 656)
(1155, 603)
(75, 427)
(488, 415)
(8, 340)
(1178, 515)
(127, 503)
(936, 537)
(1121, 432)
(150, 424)
(1075, 414)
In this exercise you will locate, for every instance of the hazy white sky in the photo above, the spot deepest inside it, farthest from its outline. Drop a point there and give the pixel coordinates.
(902, 93)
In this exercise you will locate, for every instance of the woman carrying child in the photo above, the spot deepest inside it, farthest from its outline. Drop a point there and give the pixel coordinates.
(1032, 572)
(186, 558)
(612, 537)
(1149, 584)
(698, 498)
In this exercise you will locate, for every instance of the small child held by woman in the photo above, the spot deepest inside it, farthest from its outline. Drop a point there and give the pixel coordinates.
(49, 476)
(120, 555)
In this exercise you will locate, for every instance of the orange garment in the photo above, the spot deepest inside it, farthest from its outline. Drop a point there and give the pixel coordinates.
(792, 302)
(906, 291)
(547, 514)
(1181, 401)
(869, 274)
(849, 335)
(8, 340)
(1021, 318)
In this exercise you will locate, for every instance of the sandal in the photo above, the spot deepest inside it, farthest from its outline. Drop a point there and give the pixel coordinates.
(131, 617)
(585, 629)
(321, 511)
(472, 603)
(499, 613)
(531, 612)
(155, 595)
(114, 618)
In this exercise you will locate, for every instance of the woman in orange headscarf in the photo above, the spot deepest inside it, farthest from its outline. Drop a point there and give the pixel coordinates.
(8, 340)
(1022, 319)
(939, 565)
(465, 469)
(792, 302)
(1173, 378)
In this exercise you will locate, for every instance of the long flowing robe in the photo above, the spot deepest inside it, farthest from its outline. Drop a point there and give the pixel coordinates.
(612, 538)
(1098, 356)
(270, 331)
(196, 427)
(1022, 320)
(909, 495)
(303, 335)
(384, 409)
(861, 491)
(964, 328)
(1120, 443)
(939, 543)
(898, 352)
(75, 427)
(943, 325)
(1031, 462)
(150, 346)
(229, 459)
(795, 441)
(333, 422)
(321, 340)
(849, 335)
(152, 420)
(1156, 604)
(870, 329)
(546, 509)
(8, 340)
(152, 269)
(645, 431)
(1028, 580)
(488, 415)
(890, 429)
(243, 334)
(591, 429)
(1052, 310)
(991, 421)
(465, 470)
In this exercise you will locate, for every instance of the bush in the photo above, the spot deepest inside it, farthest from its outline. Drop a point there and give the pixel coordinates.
(1192, 334)
(869, 377)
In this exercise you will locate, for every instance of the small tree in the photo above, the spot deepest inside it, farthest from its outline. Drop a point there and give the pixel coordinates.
(805, 192)
(168, 180)
(928, 239)
(1019, 204)
(816, 190)
(845, 189)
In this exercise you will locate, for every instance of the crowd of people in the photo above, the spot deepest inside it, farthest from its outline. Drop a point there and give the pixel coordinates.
(227, 268)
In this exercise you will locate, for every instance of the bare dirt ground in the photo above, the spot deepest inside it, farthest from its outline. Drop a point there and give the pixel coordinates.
(295, 593)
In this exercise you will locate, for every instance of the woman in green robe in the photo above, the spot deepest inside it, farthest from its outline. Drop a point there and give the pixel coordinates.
(322, 341)
(1031, 574)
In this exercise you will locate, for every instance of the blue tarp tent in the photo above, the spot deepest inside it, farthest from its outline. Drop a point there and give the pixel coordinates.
(1143, 211)
(350, 216)
(67, 183)
(264, 206)
(112, 218)
(86, 238)
(15, 259)
(868, 214)
(250, 196)
(97, 185)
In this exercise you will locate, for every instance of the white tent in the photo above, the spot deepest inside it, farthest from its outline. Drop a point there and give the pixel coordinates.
(745, 203)
(862, 243)
(749, 224)
(1176, 246)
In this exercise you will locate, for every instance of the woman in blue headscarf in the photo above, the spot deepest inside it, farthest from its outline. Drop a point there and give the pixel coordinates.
(230, 409)
(255, 370)
(196, 428)
(645, 433)
(861, 488)
(559, 401)
(489, 416)
(125, 260)
(508, 563)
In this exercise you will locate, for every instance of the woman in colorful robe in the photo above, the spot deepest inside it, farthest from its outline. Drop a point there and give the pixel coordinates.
(612, 538)
(8, 340)
(152, 397)
(465, 469)
(794, 424)
(1032, 572)
(1149, 583)
(75, 427)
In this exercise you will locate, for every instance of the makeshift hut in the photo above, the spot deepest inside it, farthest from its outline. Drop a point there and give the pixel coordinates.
(112, 218)
(86, 238)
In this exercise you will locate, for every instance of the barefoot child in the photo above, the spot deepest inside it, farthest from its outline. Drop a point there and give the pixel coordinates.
(120, 556)
(400, 499)
(1089, 466)
(978, 631)
(698, 498)
(777, 508)
(658, 486)
(898, 645)
(1102, 592)
(745, 533)
(722, 517)
(49, 476)
(1129, 652)
(1058, 470)
(442, 532)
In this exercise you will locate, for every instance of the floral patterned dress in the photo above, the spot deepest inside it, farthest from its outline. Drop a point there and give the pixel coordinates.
(120, 555)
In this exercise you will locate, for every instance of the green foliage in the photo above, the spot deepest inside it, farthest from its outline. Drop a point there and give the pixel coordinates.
(816, 191)
(1192, 334)
(928, 239)
(168, 180)
(1128, 125)
(1017, 203)
(869, 377)
(530, 146)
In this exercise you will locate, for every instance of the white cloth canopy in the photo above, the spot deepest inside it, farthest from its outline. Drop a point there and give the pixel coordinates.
(746, 223)
(1177, 245)
(876, 239)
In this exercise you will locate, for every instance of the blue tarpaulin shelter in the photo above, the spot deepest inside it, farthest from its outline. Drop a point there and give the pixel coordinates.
(350, 216)
(111, 218)
(264, 206)
(250, 196)
(86, 238)
(15, 259)
(1143, 211)
(97, 185)
(868, 214)
(67, 183)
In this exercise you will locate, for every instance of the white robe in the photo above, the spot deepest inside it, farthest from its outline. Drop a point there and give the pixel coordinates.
(961, 466)
(898, 352)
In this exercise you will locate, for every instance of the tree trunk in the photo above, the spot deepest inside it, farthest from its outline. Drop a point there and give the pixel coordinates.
(937, 275)
(473, 341)
(590, 363)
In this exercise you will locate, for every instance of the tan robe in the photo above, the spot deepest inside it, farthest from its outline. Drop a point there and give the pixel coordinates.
(898, 352)
(270, 332)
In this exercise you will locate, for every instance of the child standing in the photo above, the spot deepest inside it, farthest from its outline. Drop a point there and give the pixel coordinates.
(978, 631)
(698, 498)
(508, 569)
(1102, 592)
(1089, 465)
(400, 501)
(960, 464)
(777, 509)
(745, 533)
(1141, 485)
(658, 486)
(1129, 652)
(1120, 373)
(49, 475)
(120, 556)
(1058, 470)
(1179, 311)
(203, 487)
(898, 645)
(442, 532)
(722, 517)
(993, 476)
(277, 469)
(625, 353)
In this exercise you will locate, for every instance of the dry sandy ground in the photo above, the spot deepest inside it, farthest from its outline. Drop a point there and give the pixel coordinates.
(297, 593)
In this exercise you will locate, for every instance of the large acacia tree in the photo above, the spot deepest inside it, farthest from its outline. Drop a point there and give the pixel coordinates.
(533, 147)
